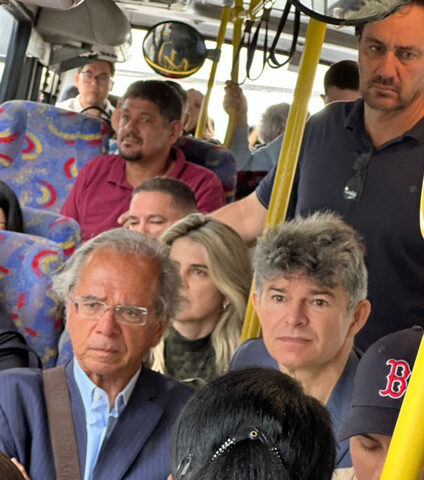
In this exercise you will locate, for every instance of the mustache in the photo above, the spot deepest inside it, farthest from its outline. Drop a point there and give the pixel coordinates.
(133, 136)
(384, 82)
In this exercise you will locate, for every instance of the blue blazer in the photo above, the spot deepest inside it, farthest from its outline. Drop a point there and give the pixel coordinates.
(138, 448)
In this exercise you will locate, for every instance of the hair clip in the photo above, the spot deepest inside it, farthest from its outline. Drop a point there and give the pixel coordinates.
(184, 466)
(248, 434)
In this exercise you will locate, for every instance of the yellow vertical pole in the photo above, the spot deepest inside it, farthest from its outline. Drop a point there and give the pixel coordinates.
(237, 35)
(290, 149)
(225, 16)
(405, 458)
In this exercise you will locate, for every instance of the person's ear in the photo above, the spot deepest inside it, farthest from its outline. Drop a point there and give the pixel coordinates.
(360, 316)
(157, 331)
(77, 79)
(176, 130)
(170, 477)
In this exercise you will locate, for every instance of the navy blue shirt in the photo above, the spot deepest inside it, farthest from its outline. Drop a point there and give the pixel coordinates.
(253, 353)
(386, 213)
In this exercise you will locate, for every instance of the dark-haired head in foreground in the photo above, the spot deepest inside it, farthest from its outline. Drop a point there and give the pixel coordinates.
(253, 424)
(10, 210)
(8, 470)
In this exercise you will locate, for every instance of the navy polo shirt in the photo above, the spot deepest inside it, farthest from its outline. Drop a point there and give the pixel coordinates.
(253, 353)
(386, 214)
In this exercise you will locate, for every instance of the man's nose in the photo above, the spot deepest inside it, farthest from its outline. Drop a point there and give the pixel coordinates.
(130, 124)
(387, 68)
(295, 313)
(143, 227)
(107, 324)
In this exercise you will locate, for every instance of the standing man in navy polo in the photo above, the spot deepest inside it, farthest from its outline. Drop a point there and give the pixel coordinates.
(365, 160)
(149, 123)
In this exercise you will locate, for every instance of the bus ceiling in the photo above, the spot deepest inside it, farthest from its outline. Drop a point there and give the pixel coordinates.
(205, 16)
(96, 28)
(66, 36)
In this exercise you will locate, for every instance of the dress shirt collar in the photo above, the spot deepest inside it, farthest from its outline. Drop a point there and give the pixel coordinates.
(89, 391)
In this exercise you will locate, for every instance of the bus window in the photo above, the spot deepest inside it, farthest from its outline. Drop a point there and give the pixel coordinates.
(7, 22)
(15, 30)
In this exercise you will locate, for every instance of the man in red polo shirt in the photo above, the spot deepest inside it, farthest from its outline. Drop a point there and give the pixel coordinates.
(149, 125)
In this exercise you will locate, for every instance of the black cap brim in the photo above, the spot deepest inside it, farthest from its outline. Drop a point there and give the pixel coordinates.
(365, 420)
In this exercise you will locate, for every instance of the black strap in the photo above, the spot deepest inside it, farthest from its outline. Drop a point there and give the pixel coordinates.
(61, 424)
(272, 60)
(269, 54)
(251, 47)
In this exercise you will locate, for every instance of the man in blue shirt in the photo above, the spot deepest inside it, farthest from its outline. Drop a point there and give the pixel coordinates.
(120, 290)
(341, 83)
(365, 160)
(310, 296)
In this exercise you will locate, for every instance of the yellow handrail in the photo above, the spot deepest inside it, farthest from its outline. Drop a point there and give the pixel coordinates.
(237, 35)
(405, 458)
(225, 16)
(290, 149)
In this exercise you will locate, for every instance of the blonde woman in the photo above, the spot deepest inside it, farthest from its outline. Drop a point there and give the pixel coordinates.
(215, 269)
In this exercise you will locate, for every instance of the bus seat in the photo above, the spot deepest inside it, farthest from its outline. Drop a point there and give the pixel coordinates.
(63, 230)
(218, 159)
(26, 265)
(66, 351)
(42, 149)
(247, 181)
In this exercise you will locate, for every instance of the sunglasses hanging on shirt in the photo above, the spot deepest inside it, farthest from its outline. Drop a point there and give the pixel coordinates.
(355, 184)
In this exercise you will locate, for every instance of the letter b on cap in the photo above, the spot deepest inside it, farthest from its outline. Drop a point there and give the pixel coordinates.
(396, 385)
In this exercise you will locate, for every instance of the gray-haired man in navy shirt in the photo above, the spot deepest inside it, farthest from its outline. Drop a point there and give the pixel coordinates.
(365, 160)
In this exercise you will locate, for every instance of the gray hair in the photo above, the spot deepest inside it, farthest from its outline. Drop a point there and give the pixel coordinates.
(322, 246)
(167, 299)
(273, 122)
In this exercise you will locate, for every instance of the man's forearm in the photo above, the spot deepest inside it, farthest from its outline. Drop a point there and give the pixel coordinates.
(247, 217)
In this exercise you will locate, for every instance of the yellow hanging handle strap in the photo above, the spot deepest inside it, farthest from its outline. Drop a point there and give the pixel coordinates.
(290, 149)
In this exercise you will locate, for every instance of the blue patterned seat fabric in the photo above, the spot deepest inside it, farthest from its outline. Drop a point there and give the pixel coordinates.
(26, 265)
(66, 352)
(42, 149)
(63, 230)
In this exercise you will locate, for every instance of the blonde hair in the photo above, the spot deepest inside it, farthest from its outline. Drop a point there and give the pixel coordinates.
(227, 259)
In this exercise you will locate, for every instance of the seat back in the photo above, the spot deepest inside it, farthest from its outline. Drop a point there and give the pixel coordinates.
(247, 181)
(63, 230)
(26, 266)
(42, 149)
(214, 157)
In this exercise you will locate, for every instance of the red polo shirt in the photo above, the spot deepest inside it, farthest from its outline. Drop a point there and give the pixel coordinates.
(101, 192)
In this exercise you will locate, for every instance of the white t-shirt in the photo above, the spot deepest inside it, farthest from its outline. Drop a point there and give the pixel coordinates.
(74, 105)
(344, 474)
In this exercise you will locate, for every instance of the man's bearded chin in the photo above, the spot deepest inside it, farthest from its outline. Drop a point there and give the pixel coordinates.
(130, 157)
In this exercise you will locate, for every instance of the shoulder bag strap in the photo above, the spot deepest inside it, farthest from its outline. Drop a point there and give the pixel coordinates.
(61, 424)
